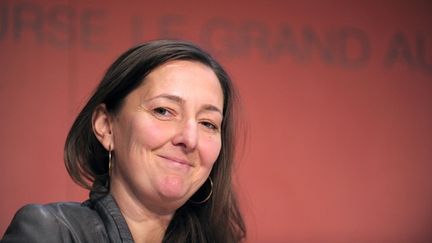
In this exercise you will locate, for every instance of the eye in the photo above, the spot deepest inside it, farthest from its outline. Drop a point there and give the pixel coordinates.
(210, 125)
(163, 112)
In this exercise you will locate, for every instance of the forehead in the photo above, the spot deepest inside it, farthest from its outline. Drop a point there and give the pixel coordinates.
(190, 80)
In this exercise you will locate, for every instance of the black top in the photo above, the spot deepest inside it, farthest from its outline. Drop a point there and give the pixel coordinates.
(96, 220)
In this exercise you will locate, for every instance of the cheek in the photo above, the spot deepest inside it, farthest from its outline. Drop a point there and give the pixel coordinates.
(150, 133)
(210, 149)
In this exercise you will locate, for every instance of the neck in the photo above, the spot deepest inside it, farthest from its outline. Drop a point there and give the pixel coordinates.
(145, 224)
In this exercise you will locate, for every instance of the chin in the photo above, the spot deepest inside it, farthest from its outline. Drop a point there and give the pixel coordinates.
(173, 189)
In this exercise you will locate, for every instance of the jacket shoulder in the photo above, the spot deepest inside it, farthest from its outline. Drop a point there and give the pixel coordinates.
(55, 222)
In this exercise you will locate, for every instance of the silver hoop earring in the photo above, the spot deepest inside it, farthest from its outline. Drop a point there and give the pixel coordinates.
(208, 196)
(109, 159)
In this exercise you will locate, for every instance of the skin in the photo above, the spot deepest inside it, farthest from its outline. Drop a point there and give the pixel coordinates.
(165, 139)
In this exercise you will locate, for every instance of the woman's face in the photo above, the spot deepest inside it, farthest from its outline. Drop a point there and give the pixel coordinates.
(167, 135)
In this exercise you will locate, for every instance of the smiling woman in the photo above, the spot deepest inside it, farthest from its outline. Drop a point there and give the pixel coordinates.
(155, 146)
(164, 148)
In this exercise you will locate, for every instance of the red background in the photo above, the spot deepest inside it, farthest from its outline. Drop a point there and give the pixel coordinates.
(336, 98)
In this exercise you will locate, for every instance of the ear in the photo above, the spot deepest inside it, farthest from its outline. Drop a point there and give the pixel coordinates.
(102, 126)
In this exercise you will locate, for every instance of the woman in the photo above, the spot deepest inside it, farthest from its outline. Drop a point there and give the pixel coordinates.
(154, 144)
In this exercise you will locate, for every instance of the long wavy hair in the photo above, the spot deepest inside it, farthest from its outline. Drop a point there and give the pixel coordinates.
(86, 160)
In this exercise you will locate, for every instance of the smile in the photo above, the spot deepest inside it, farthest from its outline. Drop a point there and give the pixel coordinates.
(175, 160)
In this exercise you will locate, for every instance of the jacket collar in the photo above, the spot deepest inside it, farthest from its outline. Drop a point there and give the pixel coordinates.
(115, 224)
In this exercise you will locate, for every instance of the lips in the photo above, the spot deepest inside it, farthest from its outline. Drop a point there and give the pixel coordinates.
(176, 160)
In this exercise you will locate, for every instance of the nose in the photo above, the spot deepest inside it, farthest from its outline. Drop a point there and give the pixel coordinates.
(187, 135)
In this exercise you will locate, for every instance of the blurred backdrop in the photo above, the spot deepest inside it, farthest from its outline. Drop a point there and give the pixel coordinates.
(336, 96)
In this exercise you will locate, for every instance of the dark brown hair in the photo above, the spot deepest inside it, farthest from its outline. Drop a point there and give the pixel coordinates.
(217, 220)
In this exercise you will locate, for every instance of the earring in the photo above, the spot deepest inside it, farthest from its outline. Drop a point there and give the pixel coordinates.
(109, 159)
(208, 196)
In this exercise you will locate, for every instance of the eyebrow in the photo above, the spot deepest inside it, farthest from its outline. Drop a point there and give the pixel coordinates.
(212, 108)
(178, 99)
(175, 98)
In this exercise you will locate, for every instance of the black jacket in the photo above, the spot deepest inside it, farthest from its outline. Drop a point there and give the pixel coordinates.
(95, 220)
